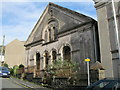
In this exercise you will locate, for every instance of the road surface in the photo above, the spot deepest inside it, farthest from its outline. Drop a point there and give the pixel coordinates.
(8, 84)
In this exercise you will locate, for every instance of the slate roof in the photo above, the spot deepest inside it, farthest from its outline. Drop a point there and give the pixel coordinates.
(36, 35)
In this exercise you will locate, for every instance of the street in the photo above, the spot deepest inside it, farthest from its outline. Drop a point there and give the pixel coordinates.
(16, 84)
(8, 84)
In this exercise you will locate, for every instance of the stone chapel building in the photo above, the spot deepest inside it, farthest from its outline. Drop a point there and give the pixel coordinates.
(64, 33)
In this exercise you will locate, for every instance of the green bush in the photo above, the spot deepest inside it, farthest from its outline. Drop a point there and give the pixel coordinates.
(21, 66)
(5, 65)
(63, 68)
(11, 71)
(15, 68)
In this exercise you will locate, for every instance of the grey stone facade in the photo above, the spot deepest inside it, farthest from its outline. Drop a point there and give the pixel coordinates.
(61, 30)
(107, 36)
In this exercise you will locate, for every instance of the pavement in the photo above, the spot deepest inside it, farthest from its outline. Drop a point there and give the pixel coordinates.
(27, 84)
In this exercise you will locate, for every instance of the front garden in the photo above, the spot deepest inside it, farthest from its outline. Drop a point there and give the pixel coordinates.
(61, 74)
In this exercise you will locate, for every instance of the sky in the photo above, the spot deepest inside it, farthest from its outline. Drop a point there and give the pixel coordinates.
(19, 18)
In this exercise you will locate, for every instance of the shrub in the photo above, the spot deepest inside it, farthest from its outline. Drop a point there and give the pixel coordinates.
(5, 65)
(11, 71)
(63, 68)
(21, 66)
(15, 68)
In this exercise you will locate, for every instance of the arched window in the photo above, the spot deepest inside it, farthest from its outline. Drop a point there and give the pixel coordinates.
(46, 59)
(46, 36)
(50, 30)
(66, 53)
(54, 56)
(49, 34)
(38, 61)
(54, 33)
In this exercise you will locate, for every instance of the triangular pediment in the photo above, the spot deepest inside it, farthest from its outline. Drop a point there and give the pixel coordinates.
(66, 19)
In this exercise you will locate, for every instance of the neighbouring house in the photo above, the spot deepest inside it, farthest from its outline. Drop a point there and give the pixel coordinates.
(62, 33)
(15, 53)
(107, 36)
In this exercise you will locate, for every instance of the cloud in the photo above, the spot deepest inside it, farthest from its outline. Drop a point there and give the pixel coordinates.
(1, 39)
(47, 0)
(0, 23)
(22, 11)
(0, 10)
(19, 19)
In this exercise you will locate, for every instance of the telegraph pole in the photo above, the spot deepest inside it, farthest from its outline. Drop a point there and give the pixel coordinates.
(2, 47)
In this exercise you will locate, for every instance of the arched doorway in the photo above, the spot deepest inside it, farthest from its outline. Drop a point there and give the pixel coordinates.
(66, 53)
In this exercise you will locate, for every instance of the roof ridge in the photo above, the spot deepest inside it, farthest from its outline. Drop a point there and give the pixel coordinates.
(72, 12)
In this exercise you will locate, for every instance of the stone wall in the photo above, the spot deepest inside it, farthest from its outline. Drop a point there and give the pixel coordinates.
(74, 30)
(107, 36)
